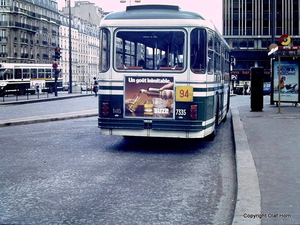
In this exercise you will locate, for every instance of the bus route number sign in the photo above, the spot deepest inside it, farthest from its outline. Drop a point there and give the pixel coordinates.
(184, 93)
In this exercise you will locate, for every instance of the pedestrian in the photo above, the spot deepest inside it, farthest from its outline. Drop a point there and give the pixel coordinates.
(95, 87)
(245, 88)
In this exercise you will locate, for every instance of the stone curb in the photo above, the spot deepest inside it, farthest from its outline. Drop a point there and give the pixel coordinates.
(248, 200)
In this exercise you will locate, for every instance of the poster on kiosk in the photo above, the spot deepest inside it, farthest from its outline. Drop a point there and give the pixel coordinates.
(149, 96)
(286, 81)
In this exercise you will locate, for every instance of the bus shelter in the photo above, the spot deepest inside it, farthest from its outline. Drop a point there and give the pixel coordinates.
(285, 75)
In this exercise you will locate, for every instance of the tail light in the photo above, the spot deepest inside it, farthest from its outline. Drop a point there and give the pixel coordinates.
(105, 109)
(193, 112)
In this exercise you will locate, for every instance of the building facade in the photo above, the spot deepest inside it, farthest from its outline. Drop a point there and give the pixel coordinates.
(251, 26)
(85, 10)
(29, 31)
(85, 28)
(84, 52)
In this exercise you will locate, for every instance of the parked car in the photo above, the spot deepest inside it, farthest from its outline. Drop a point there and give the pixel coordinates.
(239, 90)
(267, 88)
(65, 86)
(84, 88)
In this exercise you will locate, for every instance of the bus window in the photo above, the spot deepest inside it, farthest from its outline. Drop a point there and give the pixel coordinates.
(198, 50)
(18, 74)
(105, 49)
(8, 74)
(33, 73)
(149, 58)
(26, 74)
(210, 54)
(48, 73)
(150, 46)
(129, 56)
(217, 59)
(41, 73)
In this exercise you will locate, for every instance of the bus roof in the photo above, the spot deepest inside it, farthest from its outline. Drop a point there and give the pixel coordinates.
(153, 12)
(24, 65)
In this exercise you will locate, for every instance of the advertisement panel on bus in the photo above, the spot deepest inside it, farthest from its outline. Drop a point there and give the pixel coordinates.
(149, 96)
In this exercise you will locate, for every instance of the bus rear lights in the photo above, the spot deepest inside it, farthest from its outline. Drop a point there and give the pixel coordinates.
(105, 109)
(193, 112)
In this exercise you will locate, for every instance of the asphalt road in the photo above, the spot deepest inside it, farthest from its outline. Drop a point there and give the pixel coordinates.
(65, 172)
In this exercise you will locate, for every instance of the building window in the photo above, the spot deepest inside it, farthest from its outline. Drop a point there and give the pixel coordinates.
(3, 18)
(3, 49)
(2, 2)
(251, 44)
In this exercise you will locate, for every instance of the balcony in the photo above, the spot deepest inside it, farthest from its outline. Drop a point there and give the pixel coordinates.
(24, 40)
(3, 39)
(3, 54)
(18, 25)
(24, 55)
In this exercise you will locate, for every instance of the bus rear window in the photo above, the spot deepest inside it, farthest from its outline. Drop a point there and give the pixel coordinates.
(150, 50)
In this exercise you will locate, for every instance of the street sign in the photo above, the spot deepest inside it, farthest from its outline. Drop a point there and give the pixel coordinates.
(273, 45)
(285, 39)
(273, 50)
(289, 47)
(234, 77)
(54, 65)
(283, 48)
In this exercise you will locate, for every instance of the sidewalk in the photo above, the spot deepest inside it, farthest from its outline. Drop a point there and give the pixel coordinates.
(268, 163)
(24, 99)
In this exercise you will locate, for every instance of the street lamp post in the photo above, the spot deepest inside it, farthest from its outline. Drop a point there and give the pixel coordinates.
(70, 49)
(273, 34)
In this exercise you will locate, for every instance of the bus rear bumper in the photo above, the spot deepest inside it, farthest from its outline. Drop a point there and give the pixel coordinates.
(154, 128)
(156, 133)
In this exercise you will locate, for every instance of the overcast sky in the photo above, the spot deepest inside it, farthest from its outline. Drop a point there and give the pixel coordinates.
(210, 9)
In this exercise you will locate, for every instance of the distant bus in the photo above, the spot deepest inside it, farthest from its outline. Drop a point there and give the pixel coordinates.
(21, 78)
(164, 73)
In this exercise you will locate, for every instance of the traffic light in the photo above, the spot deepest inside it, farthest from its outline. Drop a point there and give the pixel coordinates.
(57, 53)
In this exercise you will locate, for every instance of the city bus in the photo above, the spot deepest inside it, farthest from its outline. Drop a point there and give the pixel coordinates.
(22, 78)
(164, 72)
